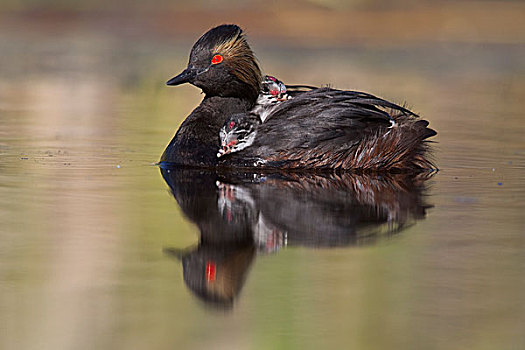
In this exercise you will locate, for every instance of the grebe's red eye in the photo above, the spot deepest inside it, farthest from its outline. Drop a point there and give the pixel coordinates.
(216, 59)
(232, 124)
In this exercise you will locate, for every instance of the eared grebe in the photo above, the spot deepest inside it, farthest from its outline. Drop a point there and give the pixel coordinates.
(316, 129)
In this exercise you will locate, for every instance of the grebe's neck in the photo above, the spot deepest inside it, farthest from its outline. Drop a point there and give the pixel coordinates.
(196, 143)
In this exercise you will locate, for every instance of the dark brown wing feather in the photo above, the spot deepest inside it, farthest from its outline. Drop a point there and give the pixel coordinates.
(335, 129)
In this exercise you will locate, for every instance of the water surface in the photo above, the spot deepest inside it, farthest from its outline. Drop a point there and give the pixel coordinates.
(93, 238)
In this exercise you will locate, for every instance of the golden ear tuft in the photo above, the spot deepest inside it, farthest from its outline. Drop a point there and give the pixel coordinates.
(240, 59)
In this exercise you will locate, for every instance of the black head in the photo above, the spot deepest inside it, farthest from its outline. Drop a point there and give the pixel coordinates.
(222, 64)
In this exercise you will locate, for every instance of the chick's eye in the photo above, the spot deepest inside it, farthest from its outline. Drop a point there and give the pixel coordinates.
(216, 59)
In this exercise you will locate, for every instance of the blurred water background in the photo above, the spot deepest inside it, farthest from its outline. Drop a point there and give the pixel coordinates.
(86, 215)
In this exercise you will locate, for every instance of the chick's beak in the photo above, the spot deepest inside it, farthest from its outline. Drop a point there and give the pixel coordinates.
(185, 77)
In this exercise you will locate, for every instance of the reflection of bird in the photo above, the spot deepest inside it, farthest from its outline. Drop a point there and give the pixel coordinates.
(241, 214)
(216, 274)
(235, 203)
(321, 128)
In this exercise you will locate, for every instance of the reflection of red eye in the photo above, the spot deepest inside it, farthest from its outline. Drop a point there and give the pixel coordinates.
(216, 59)
(210, 271)
(232, 124)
